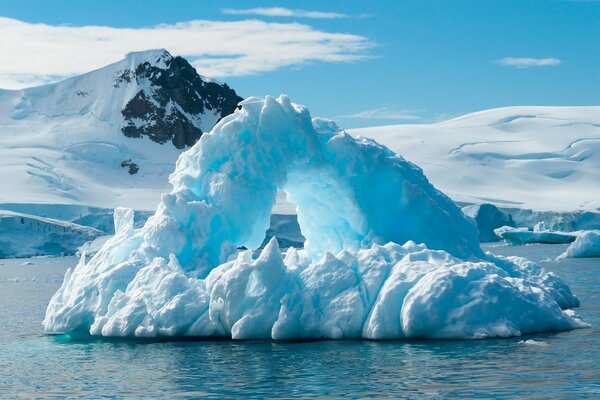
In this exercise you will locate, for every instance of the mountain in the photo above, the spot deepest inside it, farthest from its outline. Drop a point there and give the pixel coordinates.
(537, 158)
(109, 137)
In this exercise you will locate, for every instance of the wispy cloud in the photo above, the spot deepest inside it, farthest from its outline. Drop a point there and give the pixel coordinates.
(528, 62)
(386, 112)
(283, 12)
(36, 53)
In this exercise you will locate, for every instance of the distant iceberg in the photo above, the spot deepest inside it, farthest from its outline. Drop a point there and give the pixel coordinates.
(488, 218)
(587, 244)
(362, 274)
(520, 236)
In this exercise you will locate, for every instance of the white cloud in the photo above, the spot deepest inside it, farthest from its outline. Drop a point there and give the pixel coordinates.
(38, 53)
(283, 12)
(386, 112)
(527, 62)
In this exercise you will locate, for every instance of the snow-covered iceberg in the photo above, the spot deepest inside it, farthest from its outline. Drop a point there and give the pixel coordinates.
(587, 244)
(357, 202)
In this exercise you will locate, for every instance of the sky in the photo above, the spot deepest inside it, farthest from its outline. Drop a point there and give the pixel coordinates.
(361, 63)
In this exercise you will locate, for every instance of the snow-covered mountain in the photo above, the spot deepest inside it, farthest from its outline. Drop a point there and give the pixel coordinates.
(109, 137)
(538, 158)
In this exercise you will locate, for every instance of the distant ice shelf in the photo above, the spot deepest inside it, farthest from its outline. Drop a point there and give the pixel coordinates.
(25, 235)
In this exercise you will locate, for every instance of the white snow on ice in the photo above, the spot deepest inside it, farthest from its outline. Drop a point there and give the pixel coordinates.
(587, 244)
(357, 203)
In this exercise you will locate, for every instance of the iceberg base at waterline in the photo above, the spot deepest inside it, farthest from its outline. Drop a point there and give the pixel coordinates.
(361, 274)
(587, 244)
(383, 292)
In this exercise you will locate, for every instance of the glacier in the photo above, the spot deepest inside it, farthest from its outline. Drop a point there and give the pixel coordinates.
(386, 256)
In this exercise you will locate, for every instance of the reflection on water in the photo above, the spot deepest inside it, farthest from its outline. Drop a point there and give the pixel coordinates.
(33, 364)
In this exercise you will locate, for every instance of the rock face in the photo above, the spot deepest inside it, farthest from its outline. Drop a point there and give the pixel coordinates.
(172, 101)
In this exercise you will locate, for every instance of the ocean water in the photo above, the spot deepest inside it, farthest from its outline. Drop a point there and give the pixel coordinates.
(35, 365)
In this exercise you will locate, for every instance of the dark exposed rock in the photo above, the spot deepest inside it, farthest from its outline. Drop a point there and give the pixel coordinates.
(174, 102)
(132, 167)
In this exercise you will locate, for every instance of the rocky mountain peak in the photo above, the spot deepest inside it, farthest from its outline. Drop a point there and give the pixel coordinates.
(174, 103)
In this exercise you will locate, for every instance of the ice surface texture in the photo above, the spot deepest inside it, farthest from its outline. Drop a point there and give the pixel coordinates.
(357, 202)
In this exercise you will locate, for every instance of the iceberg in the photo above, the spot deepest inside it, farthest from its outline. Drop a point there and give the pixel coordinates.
(587, 244)
(488, 218)
(521, 236)
(386, 255)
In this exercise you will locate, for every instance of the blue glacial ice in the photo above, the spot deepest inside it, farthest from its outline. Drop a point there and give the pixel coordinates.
(386, 255)
(488, 217)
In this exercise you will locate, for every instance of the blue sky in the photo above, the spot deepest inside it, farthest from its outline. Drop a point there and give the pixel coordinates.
(401, 61)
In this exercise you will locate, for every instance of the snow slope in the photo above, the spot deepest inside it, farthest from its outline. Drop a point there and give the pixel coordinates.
(539, 158)
(106, 138)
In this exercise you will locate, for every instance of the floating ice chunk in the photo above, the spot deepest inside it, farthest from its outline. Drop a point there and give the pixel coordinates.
(531, 342)
(587, 244)
(357, 202)
(520, 236)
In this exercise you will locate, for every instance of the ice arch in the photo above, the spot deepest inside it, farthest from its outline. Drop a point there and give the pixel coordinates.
(350, 192)
(361, 208)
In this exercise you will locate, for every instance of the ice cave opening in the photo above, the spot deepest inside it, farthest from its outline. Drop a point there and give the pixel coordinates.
(387, 255)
